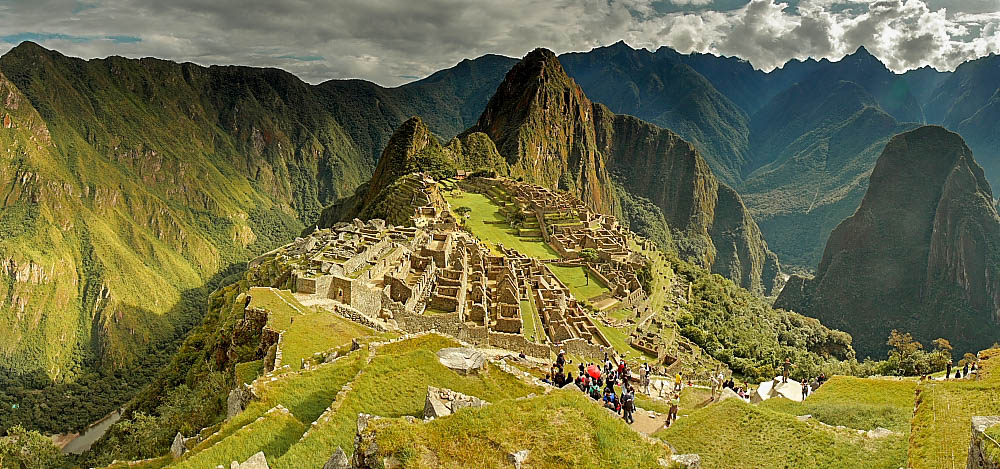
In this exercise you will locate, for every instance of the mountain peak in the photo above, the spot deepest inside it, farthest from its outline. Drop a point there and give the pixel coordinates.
(917, 249)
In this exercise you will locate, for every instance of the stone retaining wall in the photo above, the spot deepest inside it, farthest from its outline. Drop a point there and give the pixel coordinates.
(357, 316)
(978, 458)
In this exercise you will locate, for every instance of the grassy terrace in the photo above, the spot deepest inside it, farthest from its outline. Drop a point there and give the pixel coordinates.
(481, 223)
(733, 433)
(306, 331)
(306, 395)
(575, 279)
(395, 384)
(280, 305)
(531, 321)
(940, 426)
(619, 341)
(859, 403)
(316, 332)
(566, 430)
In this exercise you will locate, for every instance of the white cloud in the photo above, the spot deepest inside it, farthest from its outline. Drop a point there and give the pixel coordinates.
(390, 40)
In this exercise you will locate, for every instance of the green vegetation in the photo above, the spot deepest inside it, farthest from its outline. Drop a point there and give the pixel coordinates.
(566, 430)
(28, 449)
(395, 384)
(733, 432)
(488, 223)
(619, 342)
(531, 322)
(583, 284)
(860, 403)
(940, 426)
(273, 433)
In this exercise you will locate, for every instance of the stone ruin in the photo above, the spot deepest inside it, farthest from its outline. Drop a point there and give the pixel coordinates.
(442, 402)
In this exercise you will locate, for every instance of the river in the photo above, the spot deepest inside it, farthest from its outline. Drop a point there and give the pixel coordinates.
(82, 442)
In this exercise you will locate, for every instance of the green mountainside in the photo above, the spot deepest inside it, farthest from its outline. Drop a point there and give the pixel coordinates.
(131, 188)
(919, 255)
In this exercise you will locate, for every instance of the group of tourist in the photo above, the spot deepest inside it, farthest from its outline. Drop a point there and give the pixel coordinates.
(599, 381)
(970, 368)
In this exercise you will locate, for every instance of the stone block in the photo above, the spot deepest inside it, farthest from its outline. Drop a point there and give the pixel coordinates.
(464, 361)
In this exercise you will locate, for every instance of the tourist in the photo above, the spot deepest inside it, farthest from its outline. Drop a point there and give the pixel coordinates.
(595, 391)
(628, 404)
(814, 384)
(947, 373)
(965, 370)
(546, 379)
(715, 385)
(645, 379)
(609, 398)
(561, 358)
(786, 368)
(583, 369)
(805, 389)
(958, 374)
(678, 382)
(822, 378)
(675, 402)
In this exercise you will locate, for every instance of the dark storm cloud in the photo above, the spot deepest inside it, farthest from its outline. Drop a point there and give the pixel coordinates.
(391, 41)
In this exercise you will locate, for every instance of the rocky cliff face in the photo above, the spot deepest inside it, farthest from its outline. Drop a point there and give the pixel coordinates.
(921, 254)
(712, 225)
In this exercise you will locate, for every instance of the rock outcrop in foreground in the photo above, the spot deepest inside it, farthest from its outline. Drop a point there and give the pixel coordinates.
(920, 254)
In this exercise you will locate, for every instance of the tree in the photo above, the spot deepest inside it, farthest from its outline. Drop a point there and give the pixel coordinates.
(23, 449)
(905, 356)
(942, 344)
(463, 210)
(590, 255)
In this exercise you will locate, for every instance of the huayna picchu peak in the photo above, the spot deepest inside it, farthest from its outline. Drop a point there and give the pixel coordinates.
(279, 247)
(920, 254)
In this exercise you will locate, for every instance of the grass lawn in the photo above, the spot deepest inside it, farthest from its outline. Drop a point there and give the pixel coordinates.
(735, 434)
(940, 425)
(619, 341)
(305, 394)
(395, 384)
(859, 403)
(531, 322)
(272, 434)
(622, 314)
(281, 306)
(575, 279)
(483, 210)
(566, 430)
(317, 332)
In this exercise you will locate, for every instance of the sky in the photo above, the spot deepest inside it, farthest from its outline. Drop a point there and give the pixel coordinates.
(391, 42)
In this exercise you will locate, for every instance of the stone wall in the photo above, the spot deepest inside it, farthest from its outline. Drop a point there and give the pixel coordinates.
(356, 316)
(478, 335)
(581, 347)
(980, 443)
(365, 299)
(312, 285)
(411, 322)
(369, 255)
(517, 343)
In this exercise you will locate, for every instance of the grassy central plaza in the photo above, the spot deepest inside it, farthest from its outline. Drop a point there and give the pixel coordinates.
(487, 223)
